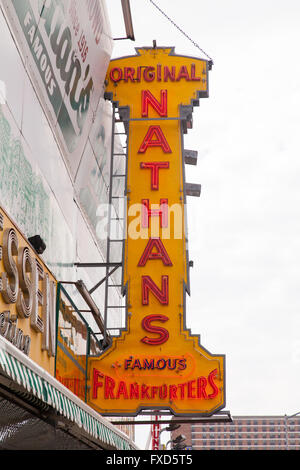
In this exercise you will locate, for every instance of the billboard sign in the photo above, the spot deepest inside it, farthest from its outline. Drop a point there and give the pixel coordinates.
(157, 363)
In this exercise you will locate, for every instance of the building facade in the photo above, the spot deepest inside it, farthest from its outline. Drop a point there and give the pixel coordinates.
(56, 146)
(244, 433)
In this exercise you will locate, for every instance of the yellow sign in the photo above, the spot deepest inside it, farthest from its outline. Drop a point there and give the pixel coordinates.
(28, 297)
(156, 363)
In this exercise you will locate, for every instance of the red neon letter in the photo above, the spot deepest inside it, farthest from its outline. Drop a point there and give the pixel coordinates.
(96, 384)
(162, 294)
(193, 71)
(122, 390)
(169, 73)
(160, 108)
(201, 384)
(162, 213)
(212, 384)
(134, 391)
(145, 391)
(109, 386)
(162, 332)
(154, 167)
(173, 392)
(129, 74)
(113, 76)
(183, 73)
(160, 254)
(159, 141)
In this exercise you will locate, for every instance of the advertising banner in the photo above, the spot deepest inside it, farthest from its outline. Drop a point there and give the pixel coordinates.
(156, 363)
(66, 47)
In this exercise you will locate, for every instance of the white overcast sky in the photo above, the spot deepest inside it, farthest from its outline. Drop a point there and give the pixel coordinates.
(245, 228)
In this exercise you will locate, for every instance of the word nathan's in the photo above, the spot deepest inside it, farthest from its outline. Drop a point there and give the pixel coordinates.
(158, 73)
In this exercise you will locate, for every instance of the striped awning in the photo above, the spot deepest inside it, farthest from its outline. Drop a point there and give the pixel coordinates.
(46, 388)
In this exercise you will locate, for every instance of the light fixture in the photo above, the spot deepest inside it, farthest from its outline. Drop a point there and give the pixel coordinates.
(173, 427)
(37, 243)
(179, 438)
(179, 442)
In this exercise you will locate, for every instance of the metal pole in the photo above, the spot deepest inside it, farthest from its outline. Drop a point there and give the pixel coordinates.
(109, 220)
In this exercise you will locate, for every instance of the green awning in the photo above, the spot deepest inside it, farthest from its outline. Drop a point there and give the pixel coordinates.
(50, 391)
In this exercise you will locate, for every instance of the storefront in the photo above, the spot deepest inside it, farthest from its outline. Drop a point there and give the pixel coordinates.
(55, 172)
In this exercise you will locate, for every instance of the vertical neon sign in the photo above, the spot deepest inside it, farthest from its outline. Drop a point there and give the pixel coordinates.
(156, 362)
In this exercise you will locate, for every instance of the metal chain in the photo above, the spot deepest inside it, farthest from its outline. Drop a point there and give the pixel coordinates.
(176, 26)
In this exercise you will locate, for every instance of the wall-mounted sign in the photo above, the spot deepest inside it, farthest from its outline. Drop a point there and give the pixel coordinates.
(157, 363)
(28, 297)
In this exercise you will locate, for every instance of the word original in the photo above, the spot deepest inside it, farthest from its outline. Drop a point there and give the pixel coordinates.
(159, 73)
